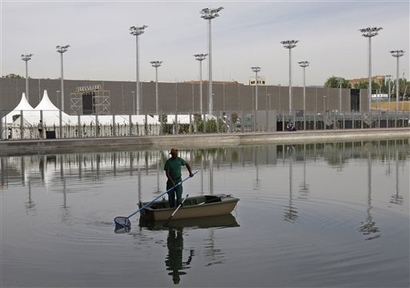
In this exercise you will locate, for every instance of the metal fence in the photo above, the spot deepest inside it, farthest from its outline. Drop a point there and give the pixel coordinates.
(178, 123)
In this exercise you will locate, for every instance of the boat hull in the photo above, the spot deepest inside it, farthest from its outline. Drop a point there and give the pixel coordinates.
(193, 207)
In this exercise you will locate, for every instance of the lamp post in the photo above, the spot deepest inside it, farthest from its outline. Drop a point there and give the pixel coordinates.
(397, 54)
(340, 94)
(256, 70)
(156, 64)
(26, 58)
(136, 31)
(289, 44)
(62, 49)
(200, 58)
(304, 64)
(209, 14)
(388, 79)
(370, 32)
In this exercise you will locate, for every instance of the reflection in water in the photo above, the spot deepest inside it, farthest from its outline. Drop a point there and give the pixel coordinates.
(396, 198)
(174, 260)
(65, 211)
(345, 205)
(55, 170)
(256, 184)
(291, 213)
(304, 186)
(41, 166)
(222, 221)
(369, 227)
(30, 203)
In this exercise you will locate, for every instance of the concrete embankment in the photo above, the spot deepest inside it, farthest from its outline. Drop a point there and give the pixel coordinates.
(47, 146)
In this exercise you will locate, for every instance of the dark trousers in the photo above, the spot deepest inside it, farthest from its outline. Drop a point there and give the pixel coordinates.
(175, 195)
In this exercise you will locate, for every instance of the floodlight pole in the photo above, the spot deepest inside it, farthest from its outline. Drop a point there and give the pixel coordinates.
(397, 54)
(388, 79)
(136, 31)
(200, 58)
(62, 49)
(209, 14)
(256, 70)
(156, 64)
(340, 94)
(289, 44)
(26, 58)
(304, 64)
(370, 32)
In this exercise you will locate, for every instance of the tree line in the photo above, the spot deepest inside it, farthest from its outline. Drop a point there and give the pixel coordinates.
(383, 88)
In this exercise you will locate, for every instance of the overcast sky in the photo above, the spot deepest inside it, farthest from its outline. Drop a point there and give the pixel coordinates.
(246, 34)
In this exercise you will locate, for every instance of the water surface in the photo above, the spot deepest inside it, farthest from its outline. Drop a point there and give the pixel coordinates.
(320, 215)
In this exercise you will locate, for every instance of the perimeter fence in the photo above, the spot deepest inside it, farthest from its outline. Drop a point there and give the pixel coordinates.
(24, 125)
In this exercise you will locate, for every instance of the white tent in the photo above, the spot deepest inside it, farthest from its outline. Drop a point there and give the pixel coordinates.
(22, 106)
(52, 117)
(45, 110)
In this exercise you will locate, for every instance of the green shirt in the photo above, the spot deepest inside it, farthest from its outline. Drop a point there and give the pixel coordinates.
(173, 165)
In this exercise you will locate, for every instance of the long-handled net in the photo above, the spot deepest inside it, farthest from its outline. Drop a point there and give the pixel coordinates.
(123, 222)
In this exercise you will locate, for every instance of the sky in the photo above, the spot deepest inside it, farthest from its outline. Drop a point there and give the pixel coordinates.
(246, 34)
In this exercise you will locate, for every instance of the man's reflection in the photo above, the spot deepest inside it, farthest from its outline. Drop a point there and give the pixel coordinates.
(175, 243)
(41, 166)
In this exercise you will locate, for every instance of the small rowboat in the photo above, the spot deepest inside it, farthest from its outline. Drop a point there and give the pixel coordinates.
(193, 207)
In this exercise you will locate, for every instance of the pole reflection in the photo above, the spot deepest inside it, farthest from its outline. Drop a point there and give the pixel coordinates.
(59, 169)
(304, 186)
(397, 198)
(369, 228)
(291, 212)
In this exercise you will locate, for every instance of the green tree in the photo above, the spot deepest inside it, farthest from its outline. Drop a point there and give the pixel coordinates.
(333, 82)
(12, 75)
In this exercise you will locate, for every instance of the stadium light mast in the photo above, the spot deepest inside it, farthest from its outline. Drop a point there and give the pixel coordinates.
(209, 14)
(370, 32)
(256, 70)
(156, 64)
(289, 44)
(397, 54)
(26, 58)
(388, 77)
(304, 64)
(136, 31)
(62, 49)
(200, 58)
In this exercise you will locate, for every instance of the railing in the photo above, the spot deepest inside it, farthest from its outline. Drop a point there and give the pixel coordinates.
(56, 125)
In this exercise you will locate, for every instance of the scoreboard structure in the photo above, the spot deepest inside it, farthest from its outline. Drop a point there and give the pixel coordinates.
(90, 100)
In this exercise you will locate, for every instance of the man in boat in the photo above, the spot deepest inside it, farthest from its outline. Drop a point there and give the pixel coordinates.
(174, 176)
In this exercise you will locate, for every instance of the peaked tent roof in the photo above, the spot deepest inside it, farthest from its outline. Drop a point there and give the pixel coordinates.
(46, 104)
(45, 109)
(51, 116)
(23, 105)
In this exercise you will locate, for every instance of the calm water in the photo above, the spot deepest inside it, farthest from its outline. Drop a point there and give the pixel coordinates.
(322, 215)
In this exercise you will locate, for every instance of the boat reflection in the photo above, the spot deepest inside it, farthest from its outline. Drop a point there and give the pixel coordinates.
(222, 221)
(174, 261)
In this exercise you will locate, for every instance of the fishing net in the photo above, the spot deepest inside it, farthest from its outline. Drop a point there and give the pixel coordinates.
(122, 222)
